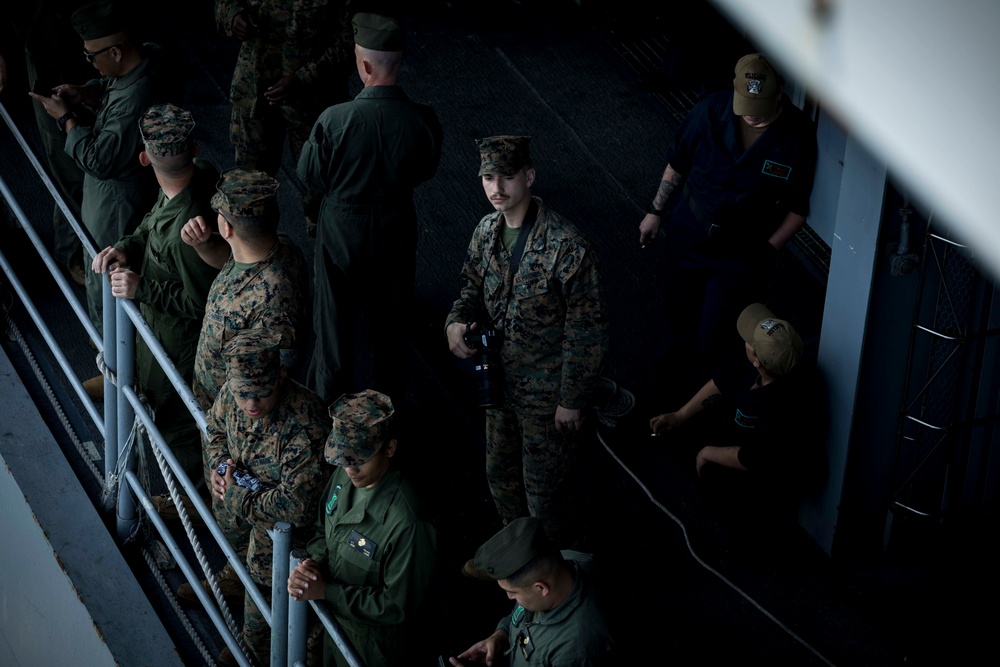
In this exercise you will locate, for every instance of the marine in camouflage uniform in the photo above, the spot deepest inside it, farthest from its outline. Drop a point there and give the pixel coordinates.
(309, 40)
(373, 544)
(167, 278)
(273, 428)
(554, 327)
(368, 155)
(271, 292)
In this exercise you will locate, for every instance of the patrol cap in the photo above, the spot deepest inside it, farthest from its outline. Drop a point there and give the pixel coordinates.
(253, 363)
(377, 32)
(512, 548)
(244, 193)
(360, 426)
(756, 87)
(775, 342)
(100, 19)
(503, 154)
(166, 130)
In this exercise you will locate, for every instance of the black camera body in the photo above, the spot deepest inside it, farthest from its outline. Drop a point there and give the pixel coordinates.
(489, 371)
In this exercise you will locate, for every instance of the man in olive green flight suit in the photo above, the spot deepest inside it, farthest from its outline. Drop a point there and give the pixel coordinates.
(368, 155)
(558, 619)
(117, 191)
(166, 276)
(373, 548)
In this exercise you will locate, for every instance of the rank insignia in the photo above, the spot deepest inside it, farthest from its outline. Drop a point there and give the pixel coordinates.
(362, 544)
(331, 504)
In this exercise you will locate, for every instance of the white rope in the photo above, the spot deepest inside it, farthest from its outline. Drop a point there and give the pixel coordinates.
(15, 335)
(691, 550)
(154, 558)
(206, 568)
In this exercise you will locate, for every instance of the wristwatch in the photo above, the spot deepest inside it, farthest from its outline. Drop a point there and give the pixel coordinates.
(61, 122)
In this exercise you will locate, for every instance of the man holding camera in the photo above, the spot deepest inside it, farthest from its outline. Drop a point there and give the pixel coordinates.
(537, 279)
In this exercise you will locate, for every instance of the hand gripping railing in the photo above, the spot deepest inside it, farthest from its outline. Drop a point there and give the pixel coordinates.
(125, 415)
(298, 621)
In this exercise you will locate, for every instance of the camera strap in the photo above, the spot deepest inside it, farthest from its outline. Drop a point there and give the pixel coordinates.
(522, 238)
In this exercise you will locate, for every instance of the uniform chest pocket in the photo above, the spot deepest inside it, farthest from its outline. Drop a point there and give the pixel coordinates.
(492, 286)
(353, 567)
(531, 285)
(262, 467)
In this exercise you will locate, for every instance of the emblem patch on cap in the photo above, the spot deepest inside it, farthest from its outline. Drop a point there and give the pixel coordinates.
(769, 326)
(754, 86)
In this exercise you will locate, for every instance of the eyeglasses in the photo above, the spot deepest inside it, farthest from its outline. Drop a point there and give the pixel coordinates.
(91, 55)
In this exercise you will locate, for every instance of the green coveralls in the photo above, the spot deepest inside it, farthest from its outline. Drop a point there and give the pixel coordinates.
(376, 548)
(171, 295)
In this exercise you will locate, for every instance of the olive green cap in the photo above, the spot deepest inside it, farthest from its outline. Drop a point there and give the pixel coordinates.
(360, 426)
(253, 363)
(377, 32)
(166, 130)
(100, 19)
(512, 548)
(503, 154)
(244, 193)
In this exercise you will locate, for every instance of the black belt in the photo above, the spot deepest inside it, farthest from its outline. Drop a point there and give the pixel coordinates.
(713, 230)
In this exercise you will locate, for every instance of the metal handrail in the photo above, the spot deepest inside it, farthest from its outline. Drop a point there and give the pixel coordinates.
(36, 316)
(121, 410)
(121, 398)
(88, 245)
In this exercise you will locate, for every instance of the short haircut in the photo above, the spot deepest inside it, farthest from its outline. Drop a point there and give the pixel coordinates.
(173, 165)
(255, 228)
(385, 61)
(542, 565)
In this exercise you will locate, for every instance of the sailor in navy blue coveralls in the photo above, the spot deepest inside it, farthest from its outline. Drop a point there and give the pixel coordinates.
(735, 189)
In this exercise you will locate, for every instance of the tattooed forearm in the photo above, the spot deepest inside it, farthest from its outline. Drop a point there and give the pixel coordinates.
(671, 181)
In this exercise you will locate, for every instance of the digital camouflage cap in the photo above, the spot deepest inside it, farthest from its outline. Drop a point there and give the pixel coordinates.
(512, 548)
(99, 19)
(166, 130)
(253, 363)
(245, 193)
(360, 426)
(377, 32)
(503, 154)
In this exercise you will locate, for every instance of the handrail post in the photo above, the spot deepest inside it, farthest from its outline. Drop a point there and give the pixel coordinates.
(124, 342)
(110, 395)
(298, 617)
(281, 536)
